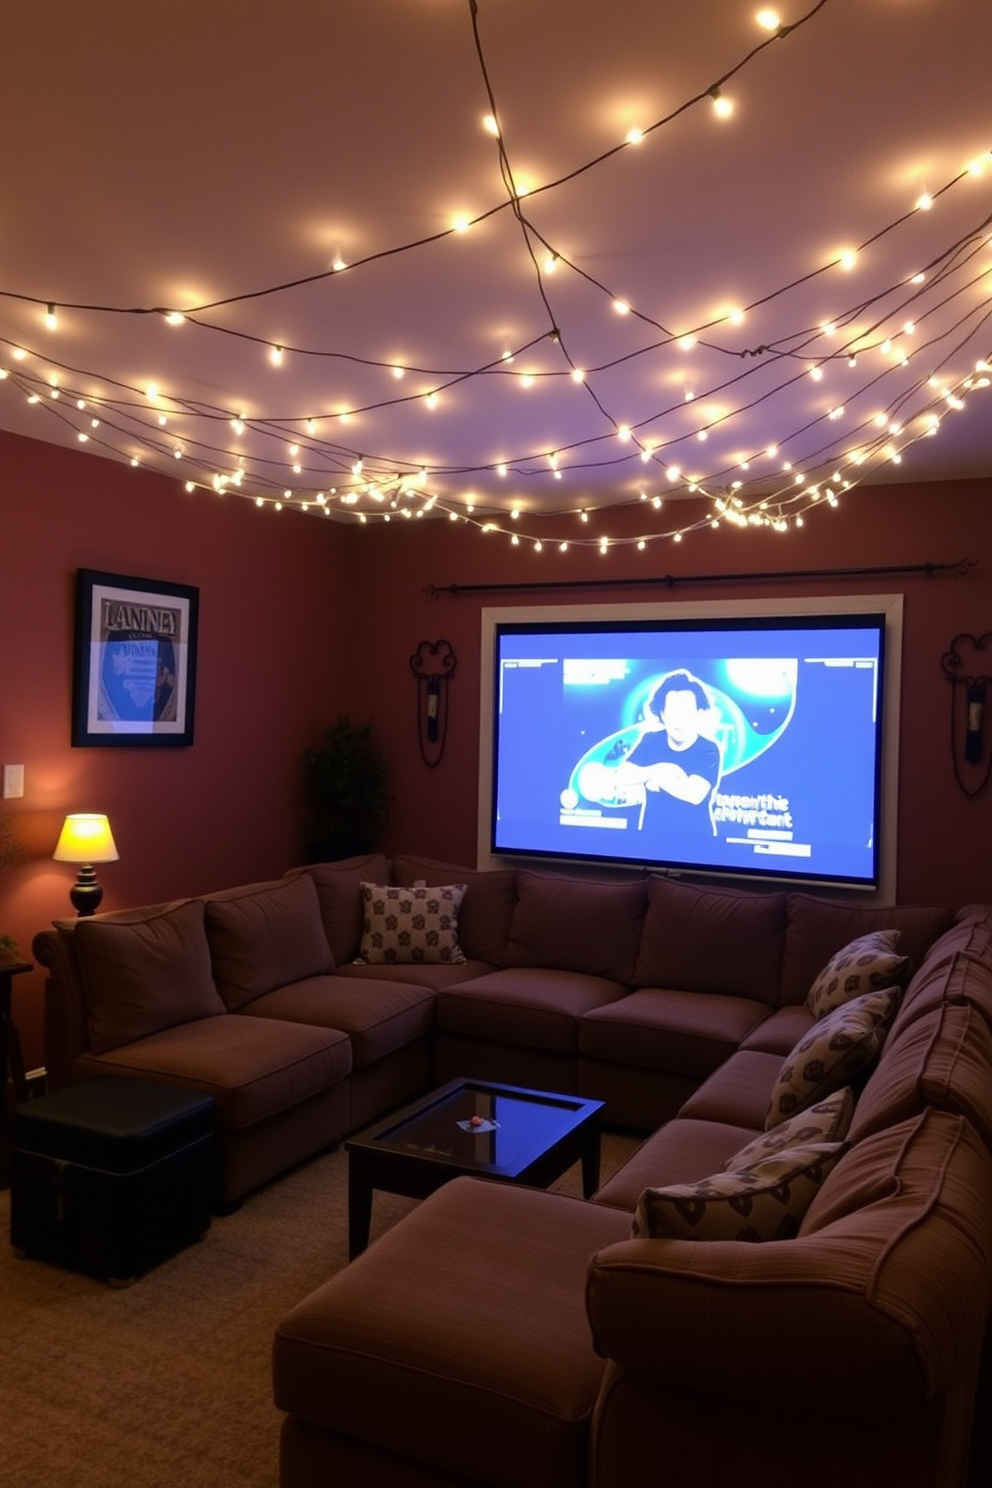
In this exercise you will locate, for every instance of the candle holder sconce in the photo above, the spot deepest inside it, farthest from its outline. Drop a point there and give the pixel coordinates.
(433, 665)
(967, 709)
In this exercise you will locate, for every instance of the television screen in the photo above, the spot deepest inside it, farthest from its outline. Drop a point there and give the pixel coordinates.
(742, 745)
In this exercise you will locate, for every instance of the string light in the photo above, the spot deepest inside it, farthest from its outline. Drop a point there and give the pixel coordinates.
(953, 397)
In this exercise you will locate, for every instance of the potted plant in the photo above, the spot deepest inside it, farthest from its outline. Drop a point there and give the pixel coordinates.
(345, 789)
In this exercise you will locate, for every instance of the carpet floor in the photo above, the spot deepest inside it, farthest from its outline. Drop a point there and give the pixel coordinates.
(168, 1382)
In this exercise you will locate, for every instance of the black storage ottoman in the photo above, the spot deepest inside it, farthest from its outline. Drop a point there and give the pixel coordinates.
(111, 1175)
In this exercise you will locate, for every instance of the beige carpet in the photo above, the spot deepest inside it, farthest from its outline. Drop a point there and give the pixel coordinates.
(167, 1384)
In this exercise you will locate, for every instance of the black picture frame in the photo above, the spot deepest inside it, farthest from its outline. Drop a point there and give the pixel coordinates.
(134, 672)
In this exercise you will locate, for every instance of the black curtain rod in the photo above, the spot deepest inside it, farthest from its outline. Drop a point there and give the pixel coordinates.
(672, 581)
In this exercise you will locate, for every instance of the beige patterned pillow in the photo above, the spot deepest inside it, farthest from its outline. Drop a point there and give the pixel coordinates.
(838, 1047)
(764, 1202)
(825, 1121)
(862, 966)
(405, 925)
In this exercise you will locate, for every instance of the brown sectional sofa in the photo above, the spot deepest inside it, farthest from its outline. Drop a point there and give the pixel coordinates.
(503, 1337)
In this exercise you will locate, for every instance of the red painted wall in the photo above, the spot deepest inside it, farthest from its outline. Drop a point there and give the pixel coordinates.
(301, 619)
(943, 854)
(271, 671)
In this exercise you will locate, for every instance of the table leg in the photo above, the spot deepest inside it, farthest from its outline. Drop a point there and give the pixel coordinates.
(359, 1204)
(590, 1165)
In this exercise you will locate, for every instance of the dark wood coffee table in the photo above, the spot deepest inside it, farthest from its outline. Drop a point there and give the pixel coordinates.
(470, 1126)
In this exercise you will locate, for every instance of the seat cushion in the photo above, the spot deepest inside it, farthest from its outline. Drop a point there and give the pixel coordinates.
(379, 1017)
(254, 1070)
(738, 1092)
(535, 1007)
(427, 1346)
(688, 1033)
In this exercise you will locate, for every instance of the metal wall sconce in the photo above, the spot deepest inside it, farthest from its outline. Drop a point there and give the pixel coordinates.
(433, 665)
(967, 708)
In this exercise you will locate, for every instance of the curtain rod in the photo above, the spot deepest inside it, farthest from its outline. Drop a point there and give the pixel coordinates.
(672, 581)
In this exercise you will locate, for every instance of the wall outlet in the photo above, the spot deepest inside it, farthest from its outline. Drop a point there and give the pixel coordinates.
(13, 781)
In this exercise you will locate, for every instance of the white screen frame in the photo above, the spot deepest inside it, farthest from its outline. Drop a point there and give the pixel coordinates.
(891, 605)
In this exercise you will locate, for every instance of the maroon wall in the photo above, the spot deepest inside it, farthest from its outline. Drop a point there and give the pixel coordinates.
(270, 678)
(942, 857)
(301, 619)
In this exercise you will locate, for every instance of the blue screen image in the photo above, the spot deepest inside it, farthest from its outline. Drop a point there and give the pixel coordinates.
(745, 748)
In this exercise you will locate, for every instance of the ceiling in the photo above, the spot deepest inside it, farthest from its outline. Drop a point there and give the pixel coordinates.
(620, 320)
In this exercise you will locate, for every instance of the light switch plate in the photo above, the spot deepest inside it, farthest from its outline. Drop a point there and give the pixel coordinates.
(13, 781)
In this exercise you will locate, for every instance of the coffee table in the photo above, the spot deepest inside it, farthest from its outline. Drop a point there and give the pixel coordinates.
(470, 1126)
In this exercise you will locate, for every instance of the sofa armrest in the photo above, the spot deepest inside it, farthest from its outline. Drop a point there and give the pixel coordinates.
(752, 1322)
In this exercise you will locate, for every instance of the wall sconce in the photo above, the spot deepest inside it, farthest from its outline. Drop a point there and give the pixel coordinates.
(433, 664)
(968, 708)
(86, 839)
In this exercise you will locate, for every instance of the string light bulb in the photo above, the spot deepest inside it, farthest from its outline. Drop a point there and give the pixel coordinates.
(51, 319)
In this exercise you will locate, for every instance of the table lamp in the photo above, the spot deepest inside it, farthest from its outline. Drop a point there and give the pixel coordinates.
(86, 839)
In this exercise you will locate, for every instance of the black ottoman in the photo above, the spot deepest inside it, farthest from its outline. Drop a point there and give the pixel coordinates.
(112, 1175)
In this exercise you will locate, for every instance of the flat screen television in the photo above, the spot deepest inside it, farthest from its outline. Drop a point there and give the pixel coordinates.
(746, 743)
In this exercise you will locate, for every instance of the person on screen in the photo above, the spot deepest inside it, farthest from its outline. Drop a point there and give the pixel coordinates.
(674, 762)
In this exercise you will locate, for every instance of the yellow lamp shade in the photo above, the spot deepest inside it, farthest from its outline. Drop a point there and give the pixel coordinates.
(86, 838)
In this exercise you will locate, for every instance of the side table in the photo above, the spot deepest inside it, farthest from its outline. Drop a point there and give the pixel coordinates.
(11, 1060)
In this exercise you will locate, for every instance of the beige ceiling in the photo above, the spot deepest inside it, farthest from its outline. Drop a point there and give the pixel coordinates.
(218, 157)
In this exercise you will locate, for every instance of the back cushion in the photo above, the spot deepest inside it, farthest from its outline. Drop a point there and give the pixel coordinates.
(264, 936)
(145, 971)
(574, 924)
(339, 893)
(486, 910)
(817, 929)
(712, 940)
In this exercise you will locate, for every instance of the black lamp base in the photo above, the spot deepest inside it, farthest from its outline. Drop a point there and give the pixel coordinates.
(86, 893)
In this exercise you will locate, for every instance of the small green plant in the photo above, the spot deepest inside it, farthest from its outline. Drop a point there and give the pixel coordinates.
(345, 788)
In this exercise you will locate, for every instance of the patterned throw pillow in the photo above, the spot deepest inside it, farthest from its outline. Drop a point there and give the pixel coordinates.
(405, 925)
(862, 966)
(826, 1121)
(766, 1201)
(841, 1045)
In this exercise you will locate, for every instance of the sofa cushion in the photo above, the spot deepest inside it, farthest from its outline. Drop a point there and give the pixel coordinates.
(533, 1007)
(264, 935)
(687, 931)
(868, 962)
(817, 928)
(941, 1059)
(415, 924)
(575, 924)
(254, 1070)
(486, 910)
(827, 1120)
(379, 1017)
(339, 892)
(763, 1201)
(840, 1046)
(143, 971)
(685, 1033)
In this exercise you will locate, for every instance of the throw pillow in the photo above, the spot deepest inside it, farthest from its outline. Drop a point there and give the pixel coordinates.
(836, 1049)
(404, 925)
(766, 1201)
(862, 965)
(825, 1121)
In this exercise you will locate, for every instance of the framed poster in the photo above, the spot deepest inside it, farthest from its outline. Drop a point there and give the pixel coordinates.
(135, 660)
